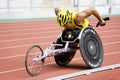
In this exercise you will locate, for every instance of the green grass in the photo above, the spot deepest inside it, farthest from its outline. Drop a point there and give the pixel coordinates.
(38, 19)
(24, 20)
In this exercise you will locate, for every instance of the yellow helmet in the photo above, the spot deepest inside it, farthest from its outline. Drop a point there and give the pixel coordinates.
(63, 17)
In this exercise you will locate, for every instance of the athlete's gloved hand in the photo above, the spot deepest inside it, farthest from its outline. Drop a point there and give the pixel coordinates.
(103, 22)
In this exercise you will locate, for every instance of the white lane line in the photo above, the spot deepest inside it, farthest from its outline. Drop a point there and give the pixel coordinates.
(48, 37)
(39, 32)
(15, 56)
(22, 55)
(25, 45)
(52, 32)
(43, 28)
(86, 72)
(117, 42)
(109, 36)
(24, 26)
(101, 31)
(3, 72)
(28, 38)
(36, 25)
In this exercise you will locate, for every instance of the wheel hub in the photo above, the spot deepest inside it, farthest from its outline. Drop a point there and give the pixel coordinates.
(91, 48)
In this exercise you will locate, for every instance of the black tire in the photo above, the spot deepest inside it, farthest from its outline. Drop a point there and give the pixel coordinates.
(33, 67)
(91, 47)
(64, 58)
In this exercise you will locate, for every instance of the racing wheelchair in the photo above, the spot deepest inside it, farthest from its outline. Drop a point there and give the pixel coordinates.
(87, 41)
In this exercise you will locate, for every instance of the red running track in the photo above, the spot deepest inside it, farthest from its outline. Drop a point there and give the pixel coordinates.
(17, 37)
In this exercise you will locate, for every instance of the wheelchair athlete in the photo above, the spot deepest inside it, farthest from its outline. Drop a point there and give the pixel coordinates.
(76, 20)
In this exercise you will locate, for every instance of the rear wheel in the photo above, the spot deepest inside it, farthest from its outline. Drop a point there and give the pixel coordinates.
(91, 47)
(64, 58)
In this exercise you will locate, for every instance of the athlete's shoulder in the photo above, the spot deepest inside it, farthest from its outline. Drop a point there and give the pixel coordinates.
(74, 12)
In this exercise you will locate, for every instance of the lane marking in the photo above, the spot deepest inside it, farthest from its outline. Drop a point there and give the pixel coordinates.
(39, 25)
(24, 26)
(28, 38)
(48, 37)
(22, 55)
(109, 36)
(3, 72)
(8, 71)
(25, 45)
(51, 36)
(108, 31)
(15, 56)
(111, 43)
(117, 42)
(44, 28)
(86, 72)
(39, 32)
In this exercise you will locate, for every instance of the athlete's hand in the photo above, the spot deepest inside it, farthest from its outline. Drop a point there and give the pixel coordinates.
(103, 22)
(100, 24)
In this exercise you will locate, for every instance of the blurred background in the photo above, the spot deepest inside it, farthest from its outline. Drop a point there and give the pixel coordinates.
(20, 9)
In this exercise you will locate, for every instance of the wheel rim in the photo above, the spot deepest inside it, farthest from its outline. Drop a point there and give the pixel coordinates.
(91, 47)
(33, 67)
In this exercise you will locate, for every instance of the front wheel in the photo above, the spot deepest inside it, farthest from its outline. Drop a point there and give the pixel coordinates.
(33, 67)
(91, 47)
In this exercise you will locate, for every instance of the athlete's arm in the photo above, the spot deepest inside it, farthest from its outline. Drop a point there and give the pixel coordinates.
(88, 12)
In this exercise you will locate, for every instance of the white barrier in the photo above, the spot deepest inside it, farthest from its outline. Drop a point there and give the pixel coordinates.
(85, 72)
(115, 10)
(115, 7)
(28, 14)
(18, 9)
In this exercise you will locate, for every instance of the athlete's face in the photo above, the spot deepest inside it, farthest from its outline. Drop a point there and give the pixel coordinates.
(68, 24)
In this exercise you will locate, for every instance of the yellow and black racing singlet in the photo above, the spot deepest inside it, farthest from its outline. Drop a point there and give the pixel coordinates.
(75, 25)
